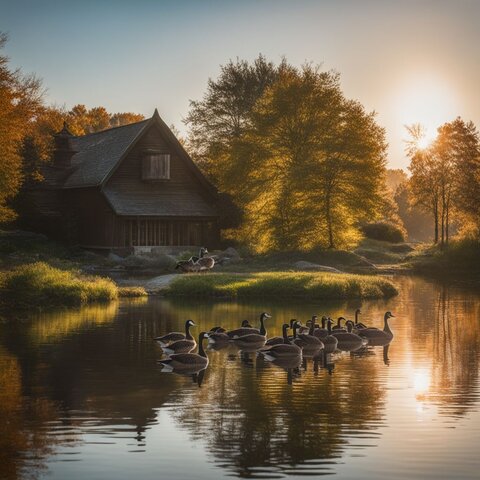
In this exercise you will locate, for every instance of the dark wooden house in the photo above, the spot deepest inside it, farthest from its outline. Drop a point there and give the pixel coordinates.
(129, 186)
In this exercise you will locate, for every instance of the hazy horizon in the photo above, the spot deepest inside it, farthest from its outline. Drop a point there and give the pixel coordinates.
(411, 61)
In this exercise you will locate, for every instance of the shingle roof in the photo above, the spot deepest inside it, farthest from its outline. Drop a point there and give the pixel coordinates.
(187, 204)
(99, 152)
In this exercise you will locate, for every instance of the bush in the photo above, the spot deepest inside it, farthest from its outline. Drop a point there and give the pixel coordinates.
(313, 286)
(39, 284)
(383, 231)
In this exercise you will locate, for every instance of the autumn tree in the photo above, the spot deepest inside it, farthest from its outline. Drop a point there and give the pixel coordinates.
(445, 177)
(20, 101)
(316, 163)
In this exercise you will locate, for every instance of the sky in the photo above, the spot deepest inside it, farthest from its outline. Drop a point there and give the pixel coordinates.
(409, 61)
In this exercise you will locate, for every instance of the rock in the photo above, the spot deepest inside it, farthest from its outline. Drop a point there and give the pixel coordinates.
(115, 258)
(231, 253)
(303, 265)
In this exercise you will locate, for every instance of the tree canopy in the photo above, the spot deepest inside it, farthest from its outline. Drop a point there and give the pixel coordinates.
(307, 165)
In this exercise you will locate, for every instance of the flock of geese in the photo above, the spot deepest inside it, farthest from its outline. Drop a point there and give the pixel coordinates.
(310, 339)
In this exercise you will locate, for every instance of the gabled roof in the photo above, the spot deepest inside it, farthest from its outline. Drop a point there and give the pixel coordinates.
(98, 153)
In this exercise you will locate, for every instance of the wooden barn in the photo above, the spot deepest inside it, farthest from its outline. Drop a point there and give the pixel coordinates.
(129, 186)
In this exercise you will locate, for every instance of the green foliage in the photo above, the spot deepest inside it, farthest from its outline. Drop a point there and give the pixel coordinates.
(39, 285)
(313, 286)
(383, 231)
(460, 258)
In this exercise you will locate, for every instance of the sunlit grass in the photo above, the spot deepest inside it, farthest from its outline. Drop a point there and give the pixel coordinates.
(282, 285)
(39, 284)
(132, 292)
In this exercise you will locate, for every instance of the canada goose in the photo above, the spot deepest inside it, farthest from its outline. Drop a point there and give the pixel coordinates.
(186, 266)
(204, 263)
(187, 361)
(348, 341)
(185, 345)
(338, 326)
(175, 336)
(254, 339)
(377, 337)
(217, 335)
(245, 329)
(358, 325)
(285, 349)
(329, 342)
(248, 330)
(307, 340)
(321, 332)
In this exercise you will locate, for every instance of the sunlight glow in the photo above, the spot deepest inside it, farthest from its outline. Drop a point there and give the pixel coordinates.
(421, 383)
(425, 99)
(427, 139)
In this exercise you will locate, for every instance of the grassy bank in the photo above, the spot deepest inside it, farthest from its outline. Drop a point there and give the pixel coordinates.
(312, 286)
(39, 284)
(459, 259)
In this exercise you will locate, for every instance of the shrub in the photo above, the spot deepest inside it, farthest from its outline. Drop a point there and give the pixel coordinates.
(383, 231)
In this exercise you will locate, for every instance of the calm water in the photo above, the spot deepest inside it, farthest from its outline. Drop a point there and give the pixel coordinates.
(81, 395)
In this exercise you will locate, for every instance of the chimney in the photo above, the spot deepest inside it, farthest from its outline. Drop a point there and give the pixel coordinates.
(63, 153)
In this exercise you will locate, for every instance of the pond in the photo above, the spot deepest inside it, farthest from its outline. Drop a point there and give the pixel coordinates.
(82, 395)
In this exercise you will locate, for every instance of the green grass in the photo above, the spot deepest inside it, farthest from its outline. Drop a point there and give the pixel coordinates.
(459, 258)
(310, 286)
(132, 292)
(38, 284)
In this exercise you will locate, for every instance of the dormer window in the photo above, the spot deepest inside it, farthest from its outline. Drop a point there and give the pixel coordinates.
(156, 166)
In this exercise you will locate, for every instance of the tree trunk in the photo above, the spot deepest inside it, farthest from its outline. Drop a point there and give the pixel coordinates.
(435, 219)
(329, 221)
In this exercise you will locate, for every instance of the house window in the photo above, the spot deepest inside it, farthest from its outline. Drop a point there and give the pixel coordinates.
(156, 166)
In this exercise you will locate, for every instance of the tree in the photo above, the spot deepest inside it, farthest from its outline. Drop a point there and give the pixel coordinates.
(316, 163)
(222, 117)
(446, 176)
(20, 101)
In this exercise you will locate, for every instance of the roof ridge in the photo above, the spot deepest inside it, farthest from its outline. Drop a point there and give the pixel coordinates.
(113, 128)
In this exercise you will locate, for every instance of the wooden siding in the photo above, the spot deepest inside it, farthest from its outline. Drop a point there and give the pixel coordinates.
(183, 186)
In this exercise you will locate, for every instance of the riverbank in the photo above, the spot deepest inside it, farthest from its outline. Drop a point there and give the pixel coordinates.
(40, 285)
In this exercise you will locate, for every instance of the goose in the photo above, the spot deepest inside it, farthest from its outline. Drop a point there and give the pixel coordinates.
(285, 349)
(348, 341)
(306, 329)
(358, 325)
(330, 342)
(307, 340)
(185, 345)
(321, 332)
(338, 326)
(187, 361)
(378, 337)
(217, 335)
(248, 330)
(253, 339)
(175, 336)
(204, 263)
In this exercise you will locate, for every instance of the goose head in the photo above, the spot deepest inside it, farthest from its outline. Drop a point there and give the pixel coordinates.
(339, 320)
(190, 323)
(349, 325)
(264, 316)
(358, 311)
(293, 321)
(389, 315)
(246, 324)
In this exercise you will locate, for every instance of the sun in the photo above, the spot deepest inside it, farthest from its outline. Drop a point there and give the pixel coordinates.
(426, 141)
(425, 99)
